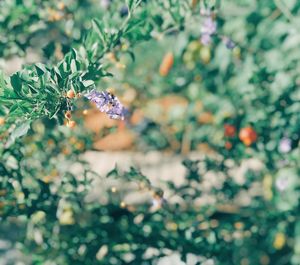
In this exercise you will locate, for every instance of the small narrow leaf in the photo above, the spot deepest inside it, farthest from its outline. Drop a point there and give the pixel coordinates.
(87, 83)
(18, 132)
(16, 82)
(40, 69)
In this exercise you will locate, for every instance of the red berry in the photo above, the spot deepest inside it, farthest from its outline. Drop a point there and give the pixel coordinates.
(71, 124)
(71, 94)
(229, 130)
(68, 115)
(228, 145)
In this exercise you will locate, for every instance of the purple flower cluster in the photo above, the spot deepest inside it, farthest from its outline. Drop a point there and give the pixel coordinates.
(282, 183)
(208, 28)
(285, 145)
(107, 103)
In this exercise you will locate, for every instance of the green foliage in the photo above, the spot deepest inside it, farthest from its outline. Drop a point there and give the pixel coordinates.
(38, 91)
(238, 204)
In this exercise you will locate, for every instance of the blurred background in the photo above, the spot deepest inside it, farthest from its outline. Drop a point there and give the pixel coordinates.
(204, 168)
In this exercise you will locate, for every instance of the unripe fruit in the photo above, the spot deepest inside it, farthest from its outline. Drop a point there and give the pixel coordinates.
(279, 241)
(166, 64)
(71, 124)
(71, 94)
(124, 47)
(68, 115)
(205, 54)
(248, 136)
(206, 118)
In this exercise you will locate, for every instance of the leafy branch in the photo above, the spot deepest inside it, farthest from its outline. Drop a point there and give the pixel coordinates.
(41, 91)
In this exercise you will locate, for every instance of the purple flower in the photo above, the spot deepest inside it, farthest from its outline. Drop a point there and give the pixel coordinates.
(205, 39)
(116, 112)
(101, 99)
(282, 183)
(285, 145)
(228, 42)
(107, 103)
(209, 26)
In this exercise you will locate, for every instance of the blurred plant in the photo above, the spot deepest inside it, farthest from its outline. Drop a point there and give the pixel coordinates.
(233, 102)
(194, 219)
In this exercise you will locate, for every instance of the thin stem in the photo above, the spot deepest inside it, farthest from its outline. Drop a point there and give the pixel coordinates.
(285, 11)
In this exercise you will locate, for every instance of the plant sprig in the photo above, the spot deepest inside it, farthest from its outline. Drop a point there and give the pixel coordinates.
(40, 90)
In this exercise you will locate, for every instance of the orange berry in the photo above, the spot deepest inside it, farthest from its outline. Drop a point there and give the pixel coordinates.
(68, 115)
(71, 94)
(85, 112)
(50, 142)
(229, 130)
(66, 151)
(54, 15)
(248, 136)
(73, 140)
(111, 56)
(80, 146)
(2, 121)
(166, 64)
(206, 118)
(71, 124)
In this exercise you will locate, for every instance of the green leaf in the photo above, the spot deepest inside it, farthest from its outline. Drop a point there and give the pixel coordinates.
(40, 69)
(16, 82)
(18, 132)
(87, 83)
(99, 28)
(73, 66)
